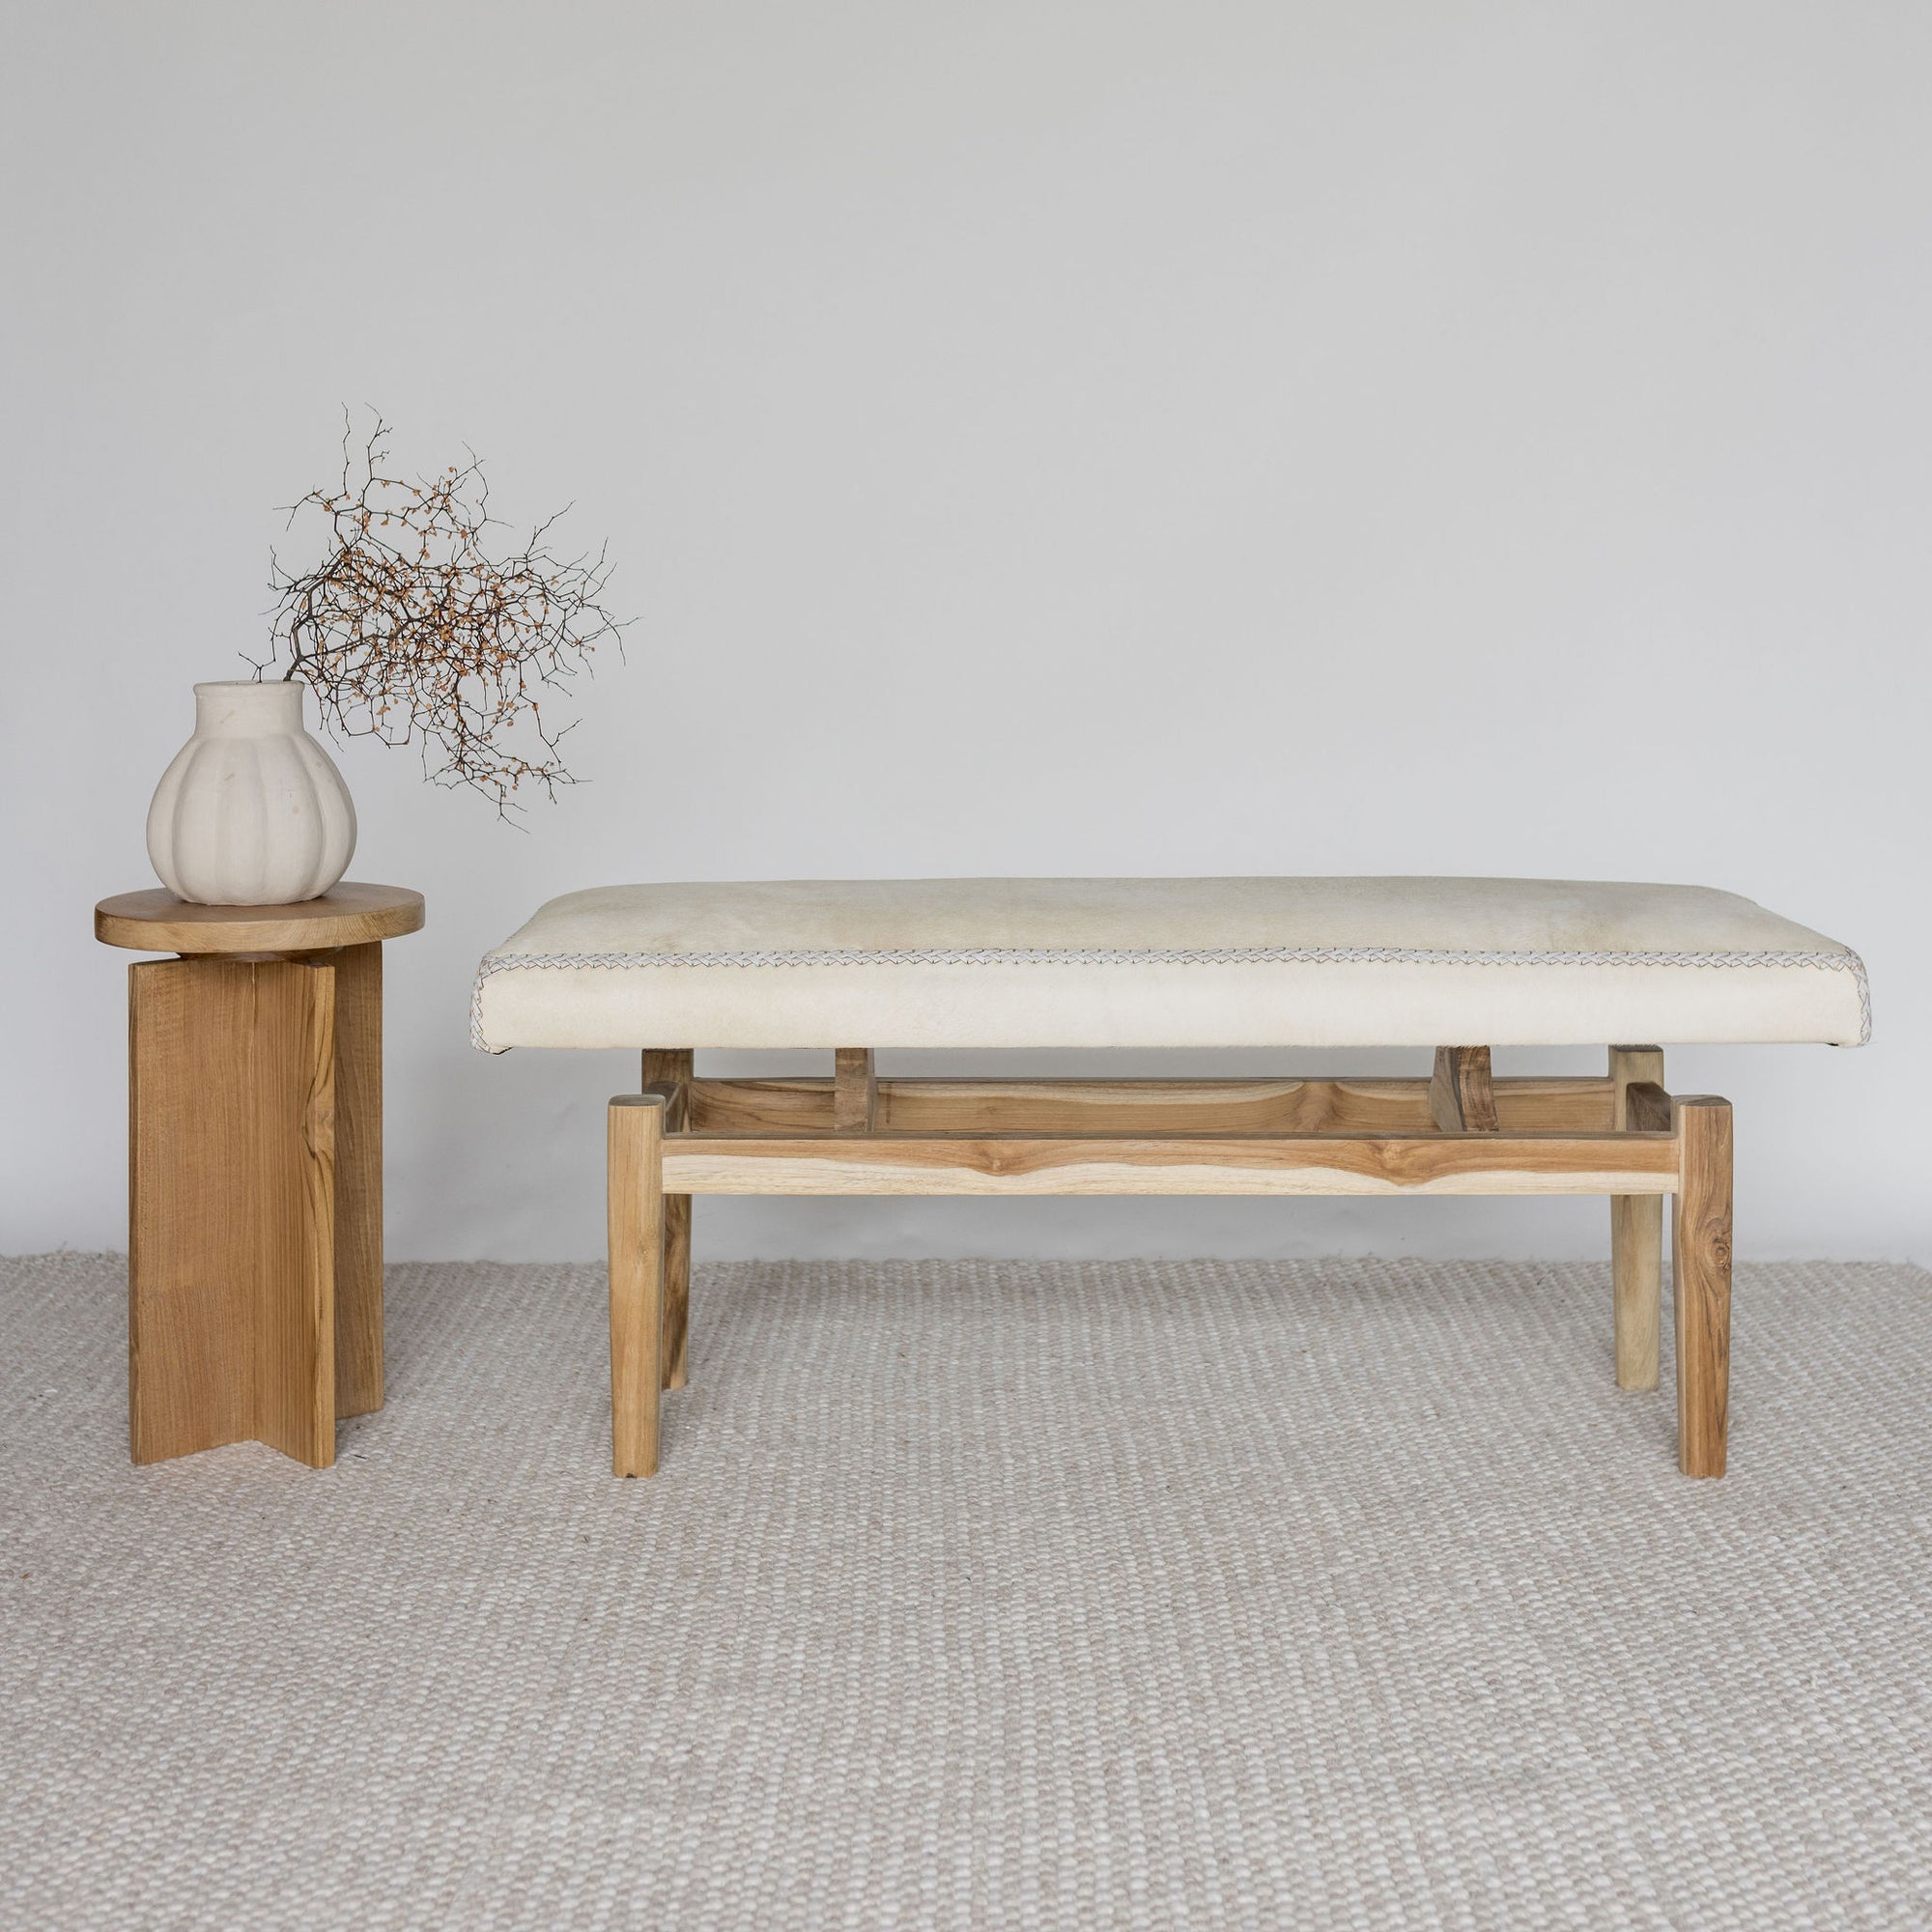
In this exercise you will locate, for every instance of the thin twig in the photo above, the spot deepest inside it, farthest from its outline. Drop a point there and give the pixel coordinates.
(409, 630)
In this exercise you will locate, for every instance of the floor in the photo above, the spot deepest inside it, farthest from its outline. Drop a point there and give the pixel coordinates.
(1147, 1595)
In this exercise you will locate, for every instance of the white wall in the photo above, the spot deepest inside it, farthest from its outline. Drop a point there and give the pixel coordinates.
(1037, 438)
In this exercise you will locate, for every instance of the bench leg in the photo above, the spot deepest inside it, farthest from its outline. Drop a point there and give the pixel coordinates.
(1636, 1240)
(1701, 1257)
(676, 1287)
(637, 1234)
(672, 1066)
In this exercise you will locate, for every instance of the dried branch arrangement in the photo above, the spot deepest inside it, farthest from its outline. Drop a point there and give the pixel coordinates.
(410, 630)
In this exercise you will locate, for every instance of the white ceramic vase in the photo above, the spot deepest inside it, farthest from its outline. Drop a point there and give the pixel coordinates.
(252, 812)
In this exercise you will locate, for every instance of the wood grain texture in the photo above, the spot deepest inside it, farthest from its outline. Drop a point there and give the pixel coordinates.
(676, 1370)
(231, 1213)
(1462, 1095)
(666, 1066)
(1043, 1164)
(350, 915)
(855, 1089)
(295, 1088)
(359, 1179)
(675, 1095)
(1636, 1223)
(634, 1135)
(191, 1247)
(669, 1069)
(1646, 1107)
(1145, 1106)
(1700, 1246)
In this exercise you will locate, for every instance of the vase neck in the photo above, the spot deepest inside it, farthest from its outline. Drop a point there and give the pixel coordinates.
(247, 710)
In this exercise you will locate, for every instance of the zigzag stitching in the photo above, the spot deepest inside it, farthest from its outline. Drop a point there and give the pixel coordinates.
(1228, 955)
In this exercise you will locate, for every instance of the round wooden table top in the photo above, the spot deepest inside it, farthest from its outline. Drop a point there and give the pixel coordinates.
(350, 915)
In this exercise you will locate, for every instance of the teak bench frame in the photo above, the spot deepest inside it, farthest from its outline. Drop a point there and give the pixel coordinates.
(1457, 1132)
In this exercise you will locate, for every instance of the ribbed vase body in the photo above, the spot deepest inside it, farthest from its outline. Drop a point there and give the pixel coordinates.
(252, 812)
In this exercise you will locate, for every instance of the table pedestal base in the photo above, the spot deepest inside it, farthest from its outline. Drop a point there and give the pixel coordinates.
(255, 1218)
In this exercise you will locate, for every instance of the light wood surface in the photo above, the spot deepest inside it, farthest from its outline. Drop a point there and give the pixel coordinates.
(232, 1221)
(359, 1179)
(665, 1065)
(676, 1370)
(255, 1167)
(1462, 1096)
(1637, 1224)
(855, 1090)
(1700, 1253)
(675, 1093)
(669, 1069)
(295, 1089)
(1045, 1164)
(350, 915)
(1647, 1107)
(637, 1256)
(1582, 1105)
(1460, 1131)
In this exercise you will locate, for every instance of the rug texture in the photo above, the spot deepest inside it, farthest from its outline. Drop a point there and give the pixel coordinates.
(987, 1595)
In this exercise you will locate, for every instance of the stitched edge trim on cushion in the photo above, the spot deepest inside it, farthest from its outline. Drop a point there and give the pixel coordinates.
(1225, 955)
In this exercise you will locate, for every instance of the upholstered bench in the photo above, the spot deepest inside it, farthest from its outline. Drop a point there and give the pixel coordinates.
(1146, 963)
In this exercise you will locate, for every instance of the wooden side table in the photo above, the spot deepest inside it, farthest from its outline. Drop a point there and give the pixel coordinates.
(255, 1167)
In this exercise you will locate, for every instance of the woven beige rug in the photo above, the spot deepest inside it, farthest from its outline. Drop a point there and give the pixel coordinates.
(1330, 1595)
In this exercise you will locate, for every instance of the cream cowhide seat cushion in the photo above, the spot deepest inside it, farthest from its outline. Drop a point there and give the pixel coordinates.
(1162, 963)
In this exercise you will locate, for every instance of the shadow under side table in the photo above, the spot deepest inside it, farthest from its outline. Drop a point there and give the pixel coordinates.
(254, 1167)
